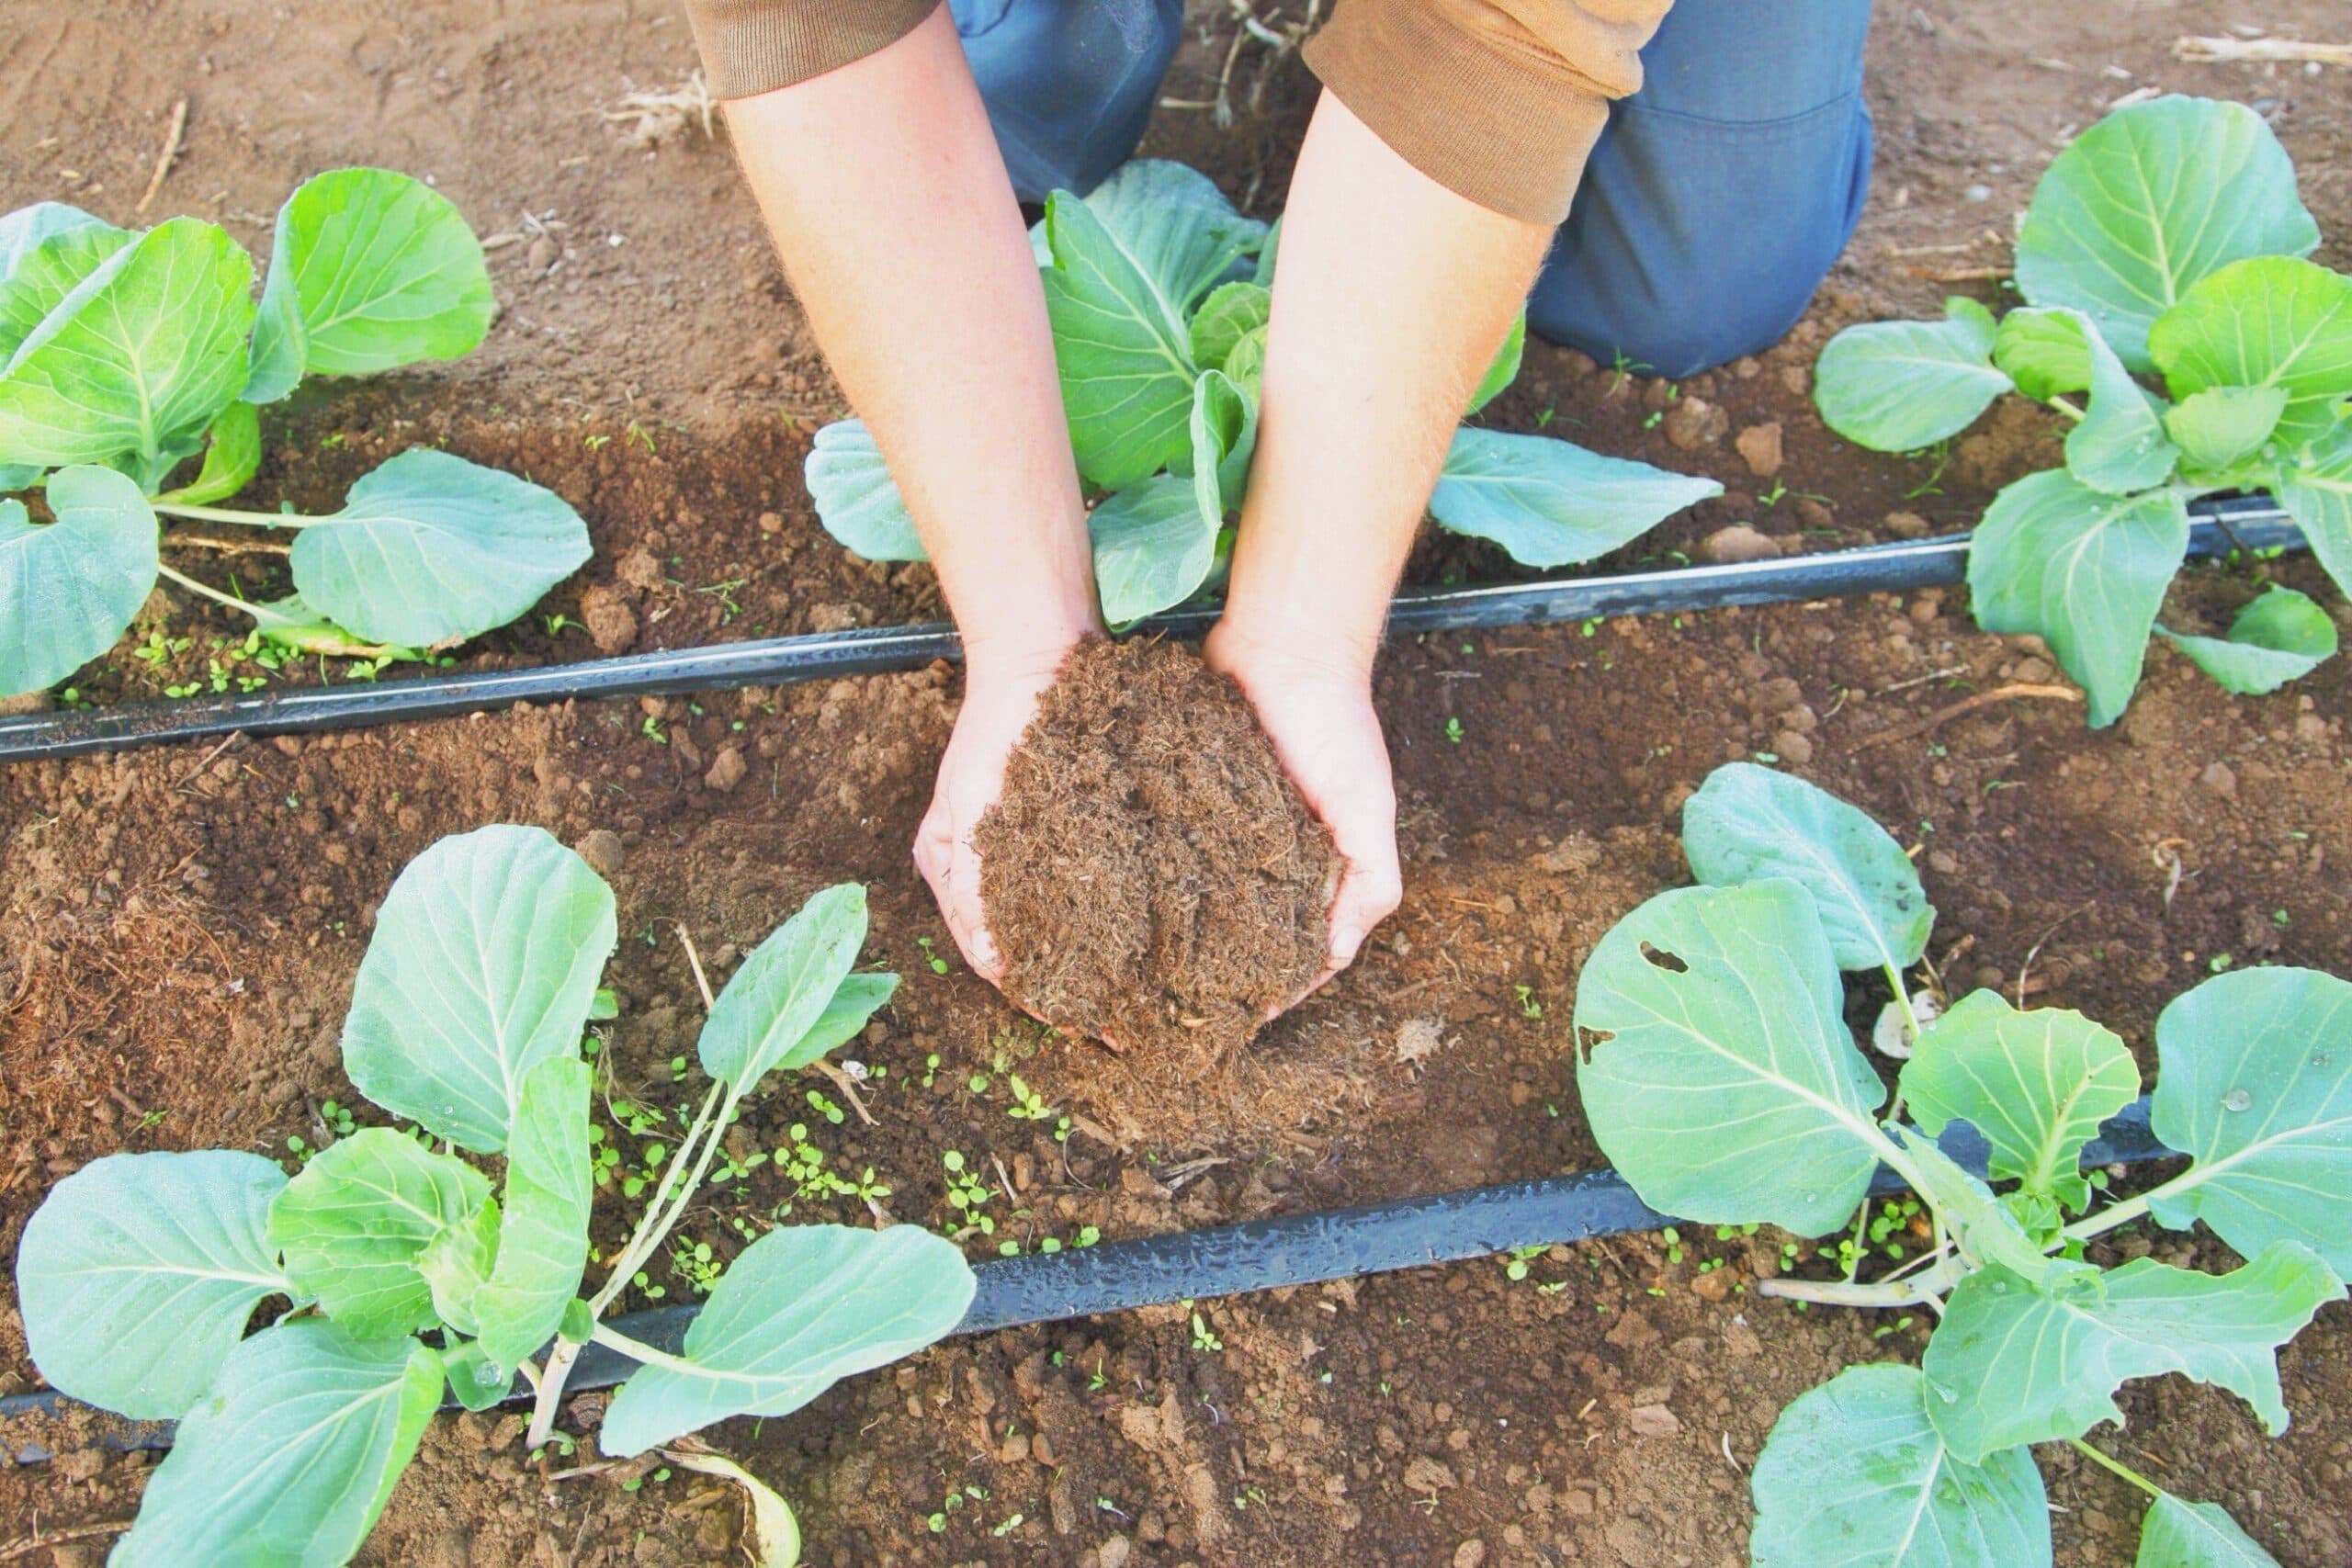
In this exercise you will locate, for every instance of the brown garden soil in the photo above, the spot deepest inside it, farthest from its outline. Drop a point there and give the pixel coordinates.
(178, 928)
(1154, 880)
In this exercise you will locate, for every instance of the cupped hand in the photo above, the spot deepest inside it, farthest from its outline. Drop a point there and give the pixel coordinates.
(1317, 708)
(1000, 693)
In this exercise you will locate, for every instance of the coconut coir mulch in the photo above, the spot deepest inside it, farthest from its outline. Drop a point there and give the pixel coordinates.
(1150, 874)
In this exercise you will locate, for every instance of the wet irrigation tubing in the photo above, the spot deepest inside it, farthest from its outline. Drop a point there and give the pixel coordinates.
(2220, 526)
(1225, 1261)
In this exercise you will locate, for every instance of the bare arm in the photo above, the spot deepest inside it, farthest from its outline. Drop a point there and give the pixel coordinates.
(1391, 294)
(883, 187)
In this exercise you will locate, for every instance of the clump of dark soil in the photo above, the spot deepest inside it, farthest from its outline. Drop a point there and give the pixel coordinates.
(1150, 874)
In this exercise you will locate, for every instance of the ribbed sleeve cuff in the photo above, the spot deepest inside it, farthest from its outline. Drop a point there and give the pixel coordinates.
(756, 46)
(1488, 112)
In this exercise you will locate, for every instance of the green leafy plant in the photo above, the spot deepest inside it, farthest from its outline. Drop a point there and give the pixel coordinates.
(2168, 241)
(403, 1271)
(1720, 1077)
(124, 356)
(1158, 293)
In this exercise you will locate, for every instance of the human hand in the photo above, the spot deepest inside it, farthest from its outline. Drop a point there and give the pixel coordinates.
(1315, 706)
(1000, 693)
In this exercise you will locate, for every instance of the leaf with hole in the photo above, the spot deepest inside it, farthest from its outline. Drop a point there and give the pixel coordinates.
(2281, 637)
(1899, 385)
(1720, 1008)
(1854, 1473)
(2153, 197)
(1746, 823)
(137, 1274)
(1549, 502)
(486, 954)
(2085, 571)
(798, 1310)
(431, 548)
(72, 585)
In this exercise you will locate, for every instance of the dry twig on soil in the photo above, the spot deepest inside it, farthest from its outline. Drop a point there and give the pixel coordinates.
(1918, 727)
(165, 159)
(2230, 51)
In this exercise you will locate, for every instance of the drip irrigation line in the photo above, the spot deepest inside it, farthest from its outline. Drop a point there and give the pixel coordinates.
(2222, 525)
(1231, 1259)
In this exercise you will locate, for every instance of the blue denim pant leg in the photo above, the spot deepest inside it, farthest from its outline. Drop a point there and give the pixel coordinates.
(1068, 83)
(1720, 194)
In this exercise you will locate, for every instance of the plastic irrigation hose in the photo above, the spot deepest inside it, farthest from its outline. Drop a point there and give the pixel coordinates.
(2253, 522)
(1225, 1261)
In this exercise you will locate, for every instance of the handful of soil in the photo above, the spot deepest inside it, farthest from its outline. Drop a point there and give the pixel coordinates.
(1150, 874)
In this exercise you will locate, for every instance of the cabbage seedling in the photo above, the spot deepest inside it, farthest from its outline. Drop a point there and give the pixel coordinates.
(1158, 293)
(1719, 1075)
(2166, 241)
(404, 1270)
(125, 356)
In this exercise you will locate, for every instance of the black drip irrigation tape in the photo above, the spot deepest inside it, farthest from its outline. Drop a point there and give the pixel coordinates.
(1226, 1260)
(2222, 525)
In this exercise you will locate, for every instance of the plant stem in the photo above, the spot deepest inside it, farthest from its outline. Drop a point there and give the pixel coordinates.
(1831, 1293)
(552, 1378)
(2118, 1468)
(2069, 410)
(1903, 1000)
(2109, 1218)
(638, 1350)
(193, 586)
(645, 1238)
(231, 514)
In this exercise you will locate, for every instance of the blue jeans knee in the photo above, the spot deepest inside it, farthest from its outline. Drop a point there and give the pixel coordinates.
(1068, 83)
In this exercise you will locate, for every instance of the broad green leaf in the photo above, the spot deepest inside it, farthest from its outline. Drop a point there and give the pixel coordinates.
(2036, 1084)
(369, 270)
(2269, 322)
(291, 1457)
(138, 1272)
(1231, 312)
(1153, 547)
(2220, 427)
(232, 457)
(2254, 1083)
(855, 1000)
(2085, 572)
(1121, 345)
(1224, 437)
(2180, 1534)
(776, 1534)
(2317, 492)
(70, 586)
(138, 358)
(2281, 637)
(1246, 365)
(355, 1220)
(543, 1245)
(1551, 502)
(2119, 445)
(2149, 200)
(456, 1264)
(2085, 1334)
(858, 500)
(2044, 351)
(19, 476)
(1899, 385)
(1854, 1476)
(1727, 1087)
(801, 1309)
(783, 988)
(1503, 370)
(1178, 226)
(43, 260)
(1746, 823)
(430, 549)
(486, 953)
(477, 1384)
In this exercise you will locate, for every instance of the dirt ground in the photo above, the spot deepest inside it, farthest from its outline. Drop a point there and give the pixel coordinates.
(178, 928)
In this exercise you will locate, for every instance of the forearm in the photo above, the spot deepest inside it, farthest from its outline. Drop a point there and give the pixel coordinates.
(882, 186)
(1391, 295)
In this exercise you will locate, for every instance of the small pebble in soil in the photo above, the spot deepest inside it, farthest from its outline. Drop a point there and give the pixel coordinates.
(1737, 543)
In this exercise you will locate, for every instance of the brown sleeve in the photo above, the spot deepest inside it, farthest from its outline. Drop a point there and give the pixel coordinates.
(754, 45)
(1497, 100)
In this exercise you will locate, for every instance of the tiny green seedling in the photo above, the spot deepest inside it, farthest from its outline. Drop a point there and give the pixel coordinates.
(405, 1272)
(125, 356)
(2166, 239)
(1159, 313)
(1721, 1079)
